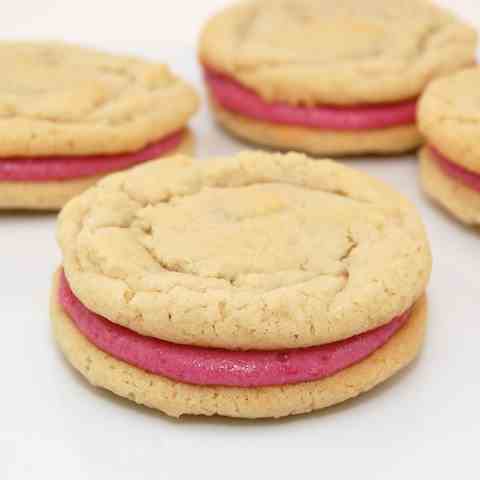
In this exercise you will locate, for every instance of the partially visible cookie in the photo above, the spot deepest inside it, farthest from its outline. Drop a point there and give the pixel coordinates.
(449, 118)
(260, 285)
(328, 77)
(69, 115)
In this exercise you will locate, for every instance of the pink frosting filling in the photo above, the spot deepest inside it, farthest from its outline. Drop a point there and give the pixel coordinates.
(231, 95)
(213, 366)
(467, 177)
(39, 169)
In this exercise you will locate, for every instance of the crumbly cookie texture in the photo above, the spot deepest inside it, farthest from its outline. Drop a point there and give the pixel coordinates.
(342, 52)
(449, 117)
(176, 399)
(55, 194)
(318, 141)
(259, 251)
(58, 99)
(460, 200)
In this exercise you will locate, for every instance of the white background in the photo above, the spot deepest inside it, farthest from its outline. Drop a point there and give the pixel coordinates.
(422, 424)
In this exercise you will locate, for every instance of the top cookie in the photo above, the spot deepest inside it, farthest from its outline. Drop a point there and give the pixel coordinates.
(341, 52)
(449, 117)
(262, 251)
(58, 99)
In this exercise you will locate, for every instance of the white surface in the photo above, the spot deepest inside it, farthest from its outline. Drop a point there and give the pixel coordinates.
(52, 425)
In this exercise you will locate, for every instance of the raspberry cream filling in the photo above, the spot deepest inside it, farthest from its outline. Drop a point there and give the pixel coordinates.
(213, 366)
(451, 169)
(39, 169)
(231, 95)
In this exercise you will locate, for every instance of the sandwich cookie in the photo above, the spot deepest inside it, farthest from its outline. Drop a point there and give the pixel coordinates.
(263, 285)
(339, 78)
(69, 115)
(449, 117)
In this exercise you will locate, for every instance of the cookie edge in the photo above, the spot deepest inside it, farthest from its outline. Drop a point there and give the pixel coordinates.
(52, 196)
(459, 200)
(318, 142)
(176, 399)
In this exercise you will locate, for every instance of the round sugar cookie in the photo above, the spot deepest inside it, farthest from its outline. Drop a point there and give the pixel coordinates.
(256, 252)
(449, 118)
(307, 52)
(329, 78)
(63, 99)
(69, 115)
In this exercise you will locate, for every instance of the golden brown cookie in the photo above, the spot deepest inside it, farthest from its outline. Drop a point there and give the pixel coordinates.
(338, 71)
(69, 115)
(449, 118)
(245, 242)
(255, 286)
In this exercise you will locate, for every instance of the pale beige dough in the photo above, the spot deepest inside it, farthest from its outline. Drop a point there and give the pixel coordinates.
(449, 117)
(54, 195)
(61, 99)
(175, 399)
(258, 251)
(337, 52)
(318, 141)
(460, 200)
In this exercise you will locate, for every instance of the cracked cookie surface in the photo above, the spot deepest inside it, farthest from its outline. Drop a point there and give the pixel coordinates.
(261, 251)
(60, 99)
(342, 52)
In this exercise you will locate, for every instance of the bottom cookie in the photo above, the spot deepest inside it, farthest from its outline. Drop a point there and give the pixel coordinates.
(460, 200)
(53, 195)
(176, 399)
(319, 142)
